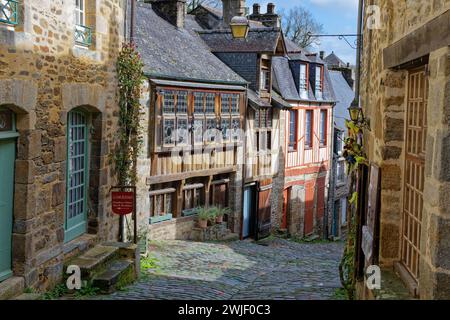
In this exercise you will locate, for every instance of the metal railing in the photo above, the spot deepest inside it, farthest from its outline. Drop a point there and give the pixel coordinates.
(9, 11)
(83, 35)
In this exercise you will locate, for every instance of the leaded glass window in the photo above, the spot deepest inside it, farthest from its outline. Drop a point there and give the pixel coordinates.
(168, 102)
(198, 102)
(182, 102)
(210, 103)
(169, 131)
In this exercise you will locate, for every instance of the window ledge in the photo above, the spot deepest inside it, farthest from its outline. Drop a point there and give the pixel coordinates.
(85, 52)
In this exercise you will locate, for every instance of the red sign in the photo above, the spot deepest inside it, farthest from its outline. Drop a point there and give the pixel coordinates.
(122, 202)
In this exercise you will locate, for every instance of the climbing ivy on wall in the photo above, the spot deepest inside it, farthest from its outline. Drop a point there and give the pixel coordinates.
(130, 77)
(355, 156)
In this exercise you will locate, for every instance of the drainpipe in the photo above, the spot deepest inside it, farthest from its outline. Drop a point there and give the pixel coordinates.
(132, 18)
(331, 184)
(358, 51)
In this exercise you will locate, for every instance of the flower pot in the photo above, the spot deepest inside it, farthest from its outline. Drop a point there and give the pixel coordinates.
(219, 219)
(203, 223)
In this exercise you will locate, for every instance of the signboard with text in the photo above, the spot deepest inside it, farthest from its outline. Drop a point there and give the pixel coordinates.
(122, 202)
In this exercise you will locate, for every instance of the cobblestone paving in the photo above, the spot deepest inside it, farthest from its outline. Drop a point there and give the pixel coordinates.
(275, 269)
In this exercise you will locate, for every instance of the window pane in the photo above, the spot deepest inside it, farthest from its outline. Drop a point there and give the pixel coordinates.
(235, 103)
(210, 103)
(235, 127)
(319, 82)
(182, 131)
(303, 82)
(323, 128)
(169, 131)
(198, 131)
(226, 123)
(6, 120)
(211, 129)
(225, 100)
(198, 102)
(182, 102)
(308, 129)
(292, 128)
(168, 102)
(257, 119)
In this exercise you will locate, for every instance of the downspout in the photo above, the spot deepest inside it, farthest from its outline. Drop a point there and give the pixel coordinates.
(331, 185)
(358, 51)
(132, 18)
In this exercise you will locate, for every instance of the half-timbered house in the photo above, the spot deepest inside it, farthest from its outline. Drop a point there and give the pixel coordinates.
(252, 59)
(193, 112)
(303, 82)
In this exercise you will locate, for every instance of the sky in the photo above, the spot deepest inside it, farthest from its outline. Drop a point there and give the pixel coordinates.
(336, 16)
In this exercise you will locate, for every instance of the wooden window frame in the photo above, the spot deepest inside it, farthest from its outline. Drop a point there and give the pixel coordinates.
(311, 129)
(306, 85)
(323, 129)
(293, 147)
(320, 83)
(80, 12)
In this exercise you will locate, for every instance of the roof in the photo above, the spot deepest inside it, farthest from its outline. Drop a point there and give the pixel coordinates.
(283, 79)
(258, 40)
(344, 97)
(285, 84)
(217, 12)
(184, 57)
(255, 101)
(333, 60)
(314, 58)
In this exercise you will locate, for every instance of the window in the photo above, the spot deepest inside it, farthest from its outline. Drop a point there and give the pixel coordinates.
(168, 102)
(323, 127)
(83, 34)
(319, 82)
(340, 171)
(235, 104)
(211, 130)
(263, 129)
(265, 80)
(303, 81)
(169, 131)
(8, 11)
(210, 103)
(263, 118)
(308, 128)
(199, 103)
(182, 105)
(199, 125)
(293, 130)
(6, 120)
(79, 12)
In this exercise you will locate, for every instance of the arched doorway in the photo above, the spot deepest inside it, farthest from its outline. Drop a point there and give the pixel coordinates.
(8, 135)
(77, 174)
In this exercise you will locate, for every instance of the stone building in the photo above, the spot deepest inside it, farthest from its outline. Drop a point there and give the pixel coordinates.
(405, 93)
(194, 108)
(58, 109)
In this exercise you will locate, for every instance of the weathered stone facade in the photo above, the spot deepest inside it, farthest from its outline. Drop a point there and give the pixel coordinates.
(43, 76)
(405, 28)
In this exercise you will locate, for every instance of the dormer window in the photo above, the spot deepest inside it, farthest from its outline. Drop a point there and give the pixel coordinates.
(319, 82)
(265, 80)
(303, 89)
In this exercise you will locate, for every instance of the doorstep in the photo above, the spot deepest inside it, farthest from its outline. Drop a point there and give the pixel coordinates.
(11, 287)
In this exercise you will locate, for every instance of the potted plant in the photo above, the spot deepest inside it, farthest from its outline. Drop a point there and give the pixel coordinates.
(213, 211)
(220, 213)
(203, 217)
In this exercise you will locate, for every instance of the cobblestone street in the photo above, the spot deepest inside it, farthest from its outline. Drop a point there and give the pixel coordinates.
(273, 269)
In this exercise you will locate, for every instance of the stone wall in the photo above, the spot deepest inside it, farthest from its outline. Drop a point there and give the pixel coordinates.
(43, 76)
(383, 98)
(175, 229)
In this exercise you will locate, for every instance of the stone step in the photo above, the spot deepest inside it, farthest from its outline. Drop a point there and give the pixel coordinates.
(231, 237)
(11, 287)
(28, 296)
(117, 274)
(94, 260)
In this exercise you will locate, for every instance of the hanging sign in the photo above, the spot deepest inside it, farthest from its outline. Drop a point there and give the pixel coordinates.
(122, 202)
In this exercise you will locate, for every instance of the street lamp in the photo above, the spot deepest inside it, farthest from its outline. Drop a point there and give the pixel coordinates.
(355, 111)
(239, 27)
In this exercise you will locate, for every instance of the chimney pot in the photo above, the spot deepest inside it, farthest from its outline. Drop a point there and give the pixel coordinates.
(256, 8)
(322, 54)
(271, 8)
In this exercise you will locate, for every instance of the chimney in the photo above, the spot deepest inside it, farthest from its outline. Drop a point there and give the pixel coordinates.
(232, 8)
(322, 54)
(256, 9)
(269, 19)
(173, 11)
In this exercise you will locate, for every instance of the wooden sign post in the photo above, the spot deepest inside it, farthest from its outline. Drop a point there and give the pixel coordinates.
(124, 203)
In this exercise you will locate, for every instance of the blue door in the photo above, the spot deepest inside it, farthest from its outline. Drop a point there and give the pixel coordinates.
(249, 205)
(77, 176)
(7, 159)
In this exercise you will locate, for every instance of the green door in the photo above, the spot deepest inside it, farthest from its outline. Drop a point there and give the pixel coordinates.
(7, 158)
(77, 162)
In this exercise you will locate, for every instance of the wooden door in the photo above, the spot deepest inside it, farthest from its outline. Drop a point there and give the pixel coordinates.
(77, 176)
(309, 207)
(415, 146)
(264, 219)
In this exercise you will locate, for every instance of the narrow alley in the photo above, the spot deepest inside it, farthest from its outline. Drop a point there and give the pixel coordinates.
(270, 269)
